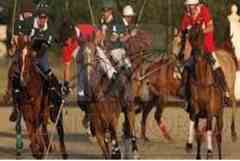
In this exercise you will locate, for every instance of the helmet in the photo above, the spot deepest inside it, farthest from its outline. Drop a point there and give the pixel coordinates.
(108, 4)
(191, 2)
(42, 8)
(128, 11)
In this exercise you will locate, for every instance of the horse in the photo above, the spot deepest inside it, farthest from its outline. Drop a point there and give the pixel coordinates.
(153, 80)
(35, 101)
(104, 111)
(229, 66)
(206, 95)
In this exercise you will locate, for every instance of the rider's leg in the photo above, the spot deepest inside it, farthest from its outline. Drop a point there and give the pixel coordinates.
(219, 75)
(184, 89)
(12, 89)
(120, 57)
(105, 63)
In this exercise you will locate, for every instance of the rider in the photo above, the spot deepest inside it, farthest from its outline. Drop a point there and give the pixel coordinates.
(42, 38)
(199, 14)
(37, 30)
(113, 30)
(74, 47)
(129, 22)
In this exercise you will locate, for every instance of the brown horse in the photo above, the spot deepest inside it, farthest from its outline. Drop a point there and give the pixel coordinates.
(106, 106)
(34, 104)
(154, 79)
(229, 66)
(206, 95)
(104, 111)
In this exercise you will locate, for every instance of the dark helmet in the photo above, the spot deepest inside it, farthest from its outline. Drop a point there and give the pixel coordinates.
(42, 8)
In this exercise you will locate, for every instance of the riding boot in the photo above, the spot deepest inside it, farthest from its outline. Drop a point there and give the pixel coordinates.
(184, 92)
(113, 85)
(221, 81)
(17, 97)
(13, 115)
(127, 71)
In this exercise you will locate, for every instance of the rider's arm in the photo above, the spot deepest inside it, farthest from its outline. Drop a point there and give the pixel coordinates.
(208, 20)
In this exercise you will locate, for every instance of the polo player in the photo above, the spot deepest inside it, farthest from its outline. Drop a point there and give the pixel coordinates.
(38, 33)
(199, 14)
(74, 46)
(129, 22)
(113, 29)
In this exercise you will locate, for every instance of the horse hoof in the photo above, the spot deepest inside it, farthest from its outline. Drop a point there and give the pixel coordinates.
(198, 157)
(209, 154)
(188, 147)
(116, 155)
(65, 156)
(136, 155)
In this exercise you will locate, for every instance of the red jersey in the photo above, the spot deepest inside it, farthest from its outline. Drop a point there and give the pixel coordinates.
(204, 18)
(85, 32)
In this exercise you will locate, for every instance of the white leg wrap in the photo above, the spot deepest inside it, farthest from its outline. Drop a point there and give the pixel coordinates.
(191, 132)
(105, 63)
(209, 140)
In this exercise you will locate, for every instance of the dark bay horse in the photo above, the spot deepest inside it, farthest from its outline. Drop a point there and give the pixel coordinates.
(206, 95)
(35, 101)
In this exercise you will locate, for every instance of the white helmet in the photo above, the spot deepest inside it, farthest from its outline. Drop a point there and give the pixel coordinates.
(191, 2)
(128, 11)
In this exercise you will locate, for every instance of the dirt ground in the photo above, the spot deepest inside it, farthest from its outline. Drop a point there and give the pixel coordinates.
(80, 147)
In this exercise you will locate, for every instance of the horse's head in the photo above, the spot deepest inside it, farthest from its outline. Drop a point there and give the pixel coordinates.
(184, 42)
(25, 58)
(180, 45)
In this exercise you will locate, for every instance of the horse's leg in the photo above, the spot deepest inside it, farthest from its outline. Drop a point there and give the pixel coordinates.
(116, 153)
(19, 141)
(131, 122)
(60, 131)
(36, 144)
(219, 135)
(146, 110)
(36, 147)
(209, 137)
(100, 136)
(160, 122)
(191, 134)
(199, 139)
(233, 128)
